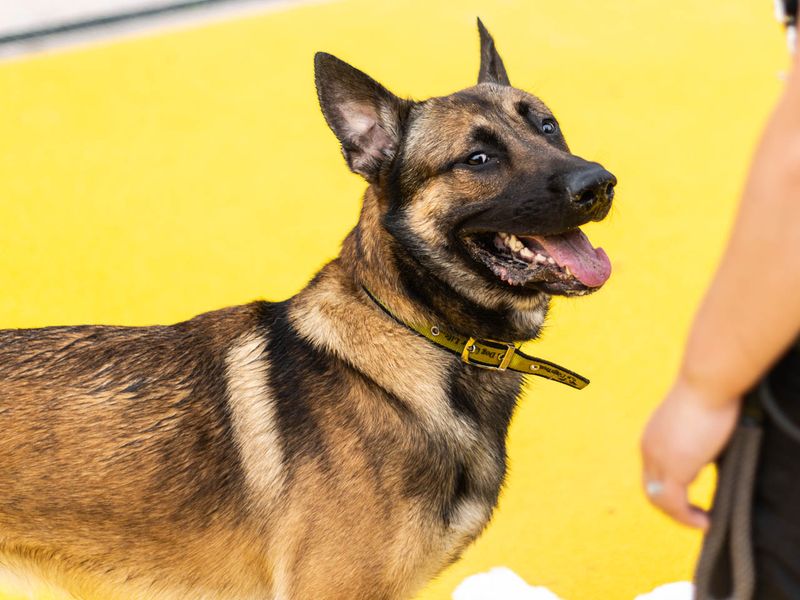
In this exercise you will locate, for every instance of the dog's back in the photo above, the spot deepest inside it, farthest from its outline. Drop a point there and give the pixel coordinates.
(120, 442)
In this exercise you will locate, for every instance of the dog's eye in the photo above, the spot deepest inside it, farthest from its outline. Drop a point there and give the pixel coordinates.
(549, 127)
(477, 158)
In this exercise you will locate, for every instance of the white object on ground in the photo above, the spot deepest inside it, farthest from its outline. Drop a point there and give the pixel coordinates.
(682, 590)
(500, 583)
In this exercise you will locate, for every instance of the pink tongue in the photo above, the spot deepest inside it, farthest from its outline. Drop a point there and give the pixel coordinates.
(574, 250)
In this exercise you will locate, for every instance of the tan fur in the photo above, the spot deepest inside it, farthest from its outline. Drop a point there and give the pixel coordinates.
(254, 419)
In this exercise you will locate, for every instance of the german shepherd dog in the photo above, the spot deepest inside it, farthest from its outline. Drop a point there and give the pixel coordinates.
(315, 448)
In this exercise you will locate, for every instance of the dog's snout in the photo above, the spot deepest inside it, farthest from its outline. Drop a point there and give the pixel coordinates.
(591, 187)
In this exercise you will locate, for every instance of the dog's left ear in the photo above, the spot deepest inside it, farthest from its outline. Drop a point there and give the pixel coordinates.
(363, 114)
(492, 68)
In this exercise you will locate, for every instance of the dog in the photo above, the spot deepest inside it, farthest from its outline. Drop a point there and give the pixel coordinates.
(349, 442)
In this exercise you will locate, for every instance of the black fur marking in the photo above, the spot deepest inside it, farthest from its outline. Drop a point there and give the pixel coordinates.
(523, 109)
(293, 384)
(460, 491)
(135, 386)
(487, 137)
(461, 399)
(494, 416)
(431, 464)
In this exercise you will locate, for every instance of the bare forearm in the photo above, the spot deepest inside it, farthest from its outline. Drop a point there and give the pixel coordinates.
(751, 312)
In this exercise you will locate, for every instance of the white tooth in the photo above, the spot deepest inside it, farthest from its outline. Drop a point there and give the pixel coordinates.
(551, 261)
(502, 235)
(541, 259)
(568, 271)
(514, 243)
(526, 253)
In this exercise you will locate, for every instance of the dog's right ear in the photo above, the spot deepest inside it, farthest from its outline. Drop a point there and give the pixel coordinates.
(363, 114)
(492, 68)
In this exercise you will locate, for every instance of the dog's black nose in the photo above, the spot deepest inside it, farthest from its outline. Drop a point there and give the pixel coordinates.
(591, 188)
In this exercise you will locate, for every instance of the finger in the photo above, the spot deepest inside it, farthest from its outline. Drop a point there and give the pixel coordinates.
(700, 519)
(673, 500)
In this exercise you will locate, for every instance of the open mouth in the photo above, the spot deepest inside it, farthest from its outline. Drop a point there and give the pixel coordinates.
(565, 263)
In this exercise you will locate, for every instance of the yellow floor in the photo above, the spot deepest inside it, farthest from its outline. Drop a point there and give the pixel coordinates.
(148, 180)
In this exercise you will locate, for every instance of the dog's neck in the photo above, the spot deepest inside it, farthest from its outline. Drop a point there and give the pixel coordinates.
(376, 261)
(337, 316)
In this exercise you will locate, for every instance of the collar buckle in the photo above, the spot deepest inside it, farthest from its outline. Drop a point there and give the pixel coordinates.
(471, 347)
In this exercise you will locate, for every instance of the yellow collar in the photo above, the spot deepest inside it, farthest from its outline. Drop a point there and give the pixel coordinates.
(490, 354)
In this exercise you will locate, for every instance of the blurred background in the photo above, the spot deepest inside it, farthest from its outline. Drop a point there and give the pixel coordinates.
(160, 160)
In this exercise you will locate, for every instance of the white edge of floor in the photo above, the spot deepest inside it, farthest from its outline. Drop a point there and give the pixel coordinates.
(145, 26)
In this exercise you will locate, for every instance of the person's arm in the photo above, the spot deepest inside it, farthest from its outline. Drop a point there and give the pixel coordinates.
(750, 315)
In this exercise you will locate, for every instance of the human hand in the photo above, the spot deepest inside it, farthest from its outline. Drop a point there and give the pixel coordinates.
(687, 431)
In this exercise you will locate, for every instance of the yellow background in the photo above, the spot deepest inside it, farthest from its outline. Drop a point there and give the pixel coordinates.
(148, 180)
